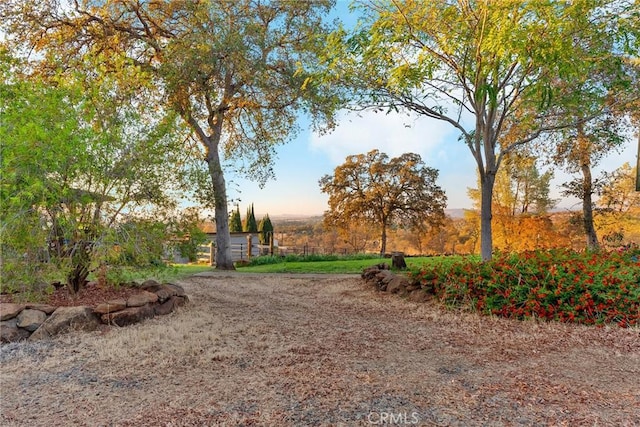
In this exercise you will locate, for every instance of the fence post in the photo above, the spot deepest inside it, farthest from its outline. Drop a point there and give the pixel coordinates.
(249, 245)
(212, 254)
(271, 243)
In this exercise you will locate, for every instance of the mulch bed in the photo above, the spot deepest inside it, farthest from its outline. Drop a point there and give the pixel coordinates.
(91, 295)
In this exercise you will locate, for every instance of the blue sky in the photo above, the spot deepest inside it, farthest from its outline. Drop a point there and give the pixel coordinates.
(303, 161)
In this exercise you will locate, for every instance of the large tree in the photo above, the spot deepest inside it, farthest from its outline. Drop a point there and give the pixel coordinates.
(611, 87)
(382, 191)
(488, 68)
(235, 71)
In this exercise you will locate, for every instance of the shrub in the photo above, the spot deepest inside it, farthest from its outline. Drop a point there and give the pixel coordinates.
(272, 259)
(562, 285)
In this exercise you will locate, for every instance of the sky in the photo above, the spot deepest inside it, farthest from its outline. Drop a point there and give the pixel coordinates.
(303, 161)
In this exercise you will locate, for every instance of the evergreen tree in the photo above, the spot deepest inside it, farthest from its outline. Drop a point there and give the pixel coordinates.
(250, 224)
(266, 230)
(235, 223)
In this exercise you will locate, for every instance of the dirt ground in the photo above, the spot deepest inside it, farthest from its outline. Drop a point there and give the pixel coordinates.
(311, 350)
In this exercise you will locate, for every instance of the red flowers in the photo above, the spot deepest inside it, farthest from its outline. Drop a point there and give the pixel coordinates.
(562, 285)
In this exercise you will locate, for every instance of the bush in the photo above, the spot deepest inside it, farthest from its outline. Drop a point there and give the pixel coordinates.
(562, 285)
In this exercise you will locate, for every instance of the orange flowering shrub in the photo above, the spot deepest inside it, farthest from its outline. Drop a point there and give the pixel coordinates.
(561, 285)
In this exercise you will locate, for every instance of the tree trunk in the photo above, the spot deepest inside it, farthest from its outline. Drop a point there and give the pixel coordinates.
(638, 164)
(587, 208)
(486, 236)
(397, 261)
(224, 261)
(80, 257)
(223, 258)
(383, 240)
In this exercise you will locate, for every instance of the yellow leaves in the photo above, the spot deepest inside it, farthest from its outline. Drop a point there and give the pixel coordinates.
(305, 83)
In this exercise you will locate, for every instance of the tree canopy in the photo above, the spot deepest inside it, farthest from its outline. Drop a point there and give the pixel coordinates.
(235, 71)
(250, 224)
(380, 191)
(235, 223)
(490, 69)
(76, 168)
(265, 227)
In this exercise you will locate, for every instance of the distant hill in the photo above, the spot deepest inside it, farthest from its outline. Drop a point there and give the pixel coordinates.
(290, 218)
(455, 213)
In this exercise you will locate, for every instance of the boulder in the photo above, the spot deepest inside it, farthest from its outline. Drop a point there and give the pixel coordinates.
(164, 291)
(370, 272)
(397, 284)
(30, 319)
(165, 307)
(66, 319)
(10, 310)
(111, 306)
(143, 298)
(10, 332)
(178, 290)
(46, 308)
(148, 285)
(385, 276)
(129, 316)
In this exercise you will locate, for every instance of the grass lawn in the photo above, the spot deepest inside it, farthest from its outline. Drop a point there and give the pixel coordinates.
(340, 266)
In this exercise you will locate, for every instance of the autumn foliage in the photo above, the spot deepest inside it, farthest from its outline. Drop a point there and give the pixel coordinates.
(562, 285)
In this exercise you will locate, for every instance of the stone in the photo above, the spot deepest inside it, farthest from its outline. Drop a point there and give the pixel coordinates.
(164, 291)
(148, 285)
(138, 300)
(30, 319)
(46, 308)
(177, 289)
(111, 306)
(10, 332)
(170, 305)
(67, 319)
(370, 272)
(166, 307)
(9, 310)
(385, 276)
(397, 284)
(129, 316)
(180, 301)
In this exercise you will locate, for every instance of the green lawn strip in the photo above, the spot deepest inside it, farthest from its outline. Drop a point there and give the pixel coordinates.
(339, 266)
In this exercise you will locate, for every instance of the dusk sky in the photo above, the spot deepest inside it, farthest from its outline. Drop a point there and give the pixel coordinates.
(303, 161)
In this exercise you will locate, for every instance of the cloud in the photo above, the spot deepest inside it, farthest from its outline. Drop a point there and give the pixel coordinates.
(393, 134)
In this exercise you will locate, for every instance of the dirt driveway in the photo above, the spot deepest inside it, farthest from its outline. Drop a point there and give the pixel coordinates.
(305, 350)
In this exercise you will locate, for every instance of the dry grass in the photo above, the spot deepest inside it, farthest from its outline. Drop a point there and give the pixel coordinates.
(322, 350)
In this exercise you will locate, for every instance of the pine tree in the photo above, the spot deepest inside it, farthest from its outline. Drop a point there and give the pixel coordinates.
(235, 223)
(266, 230)
(250, 224)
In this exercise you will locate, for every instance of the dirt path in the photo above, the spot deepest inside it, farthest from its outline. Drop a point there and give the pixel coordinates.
(293, 350)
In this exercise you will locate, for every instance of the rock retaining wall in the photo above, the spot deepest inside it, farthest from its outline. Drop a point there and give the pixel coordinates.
(385, 280)
(40, 321)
